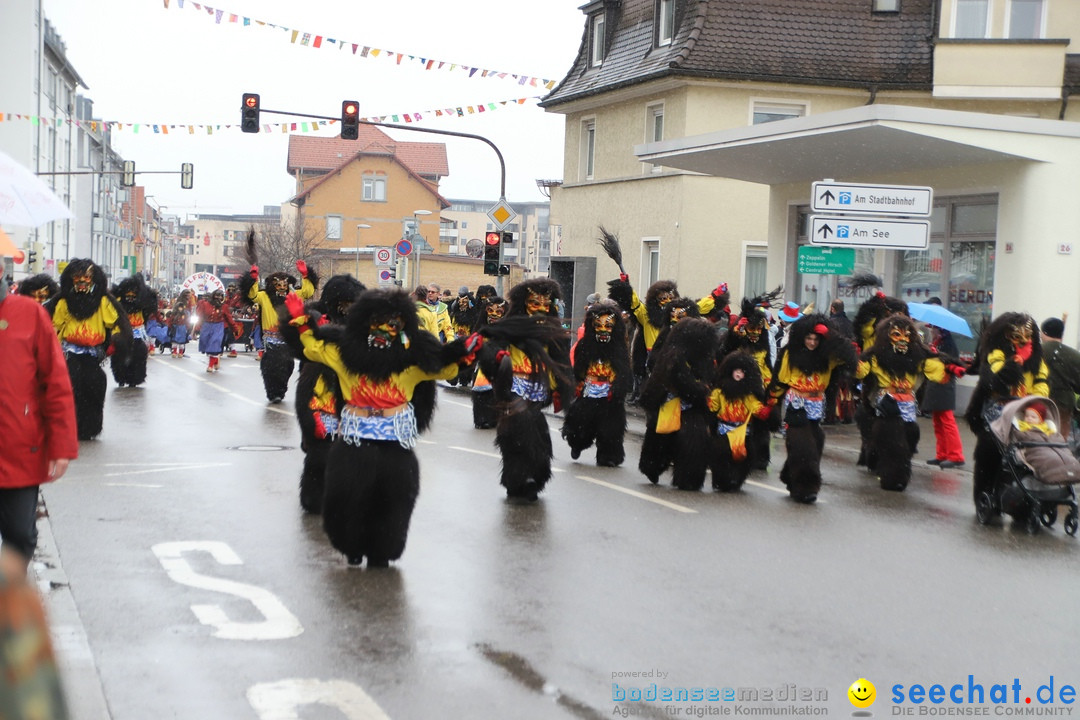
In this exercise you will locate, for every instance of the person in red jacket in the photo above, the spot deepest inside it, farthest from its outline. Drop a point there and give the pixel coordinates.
(37, 416)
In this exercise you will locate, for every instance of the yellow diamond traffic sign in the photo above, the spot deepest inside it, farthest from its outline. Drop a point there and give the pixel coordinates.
(502, 214)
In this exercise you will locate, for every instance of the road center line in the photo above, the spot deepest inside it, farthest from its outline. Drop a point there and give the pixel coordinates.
(485, 453)
(781, 490)
(635, 493)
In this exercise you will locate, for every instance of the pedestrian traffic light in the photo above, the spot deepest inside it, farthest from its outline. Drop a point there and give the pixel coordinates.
(350, 120)
(32, 264)
(508, 238)
(249, 113)
(187, 175)
(492, 253)
(128, 178)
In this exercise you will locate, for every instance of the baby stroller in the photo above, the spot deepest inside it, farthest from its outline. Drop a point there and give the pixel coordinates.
(1037, 471)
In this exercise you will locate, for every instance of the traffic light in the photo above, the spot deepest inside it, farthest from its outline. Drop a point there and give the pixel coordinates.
(492, 253)
(249, 113)
(508, 238)
(32, 264)
(187, 175)
(350, 120)
(128, 178)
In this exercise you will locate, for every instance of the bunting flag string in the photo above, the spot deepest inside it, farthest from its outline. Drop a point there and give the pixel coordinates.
(283, 127)
(315, 40)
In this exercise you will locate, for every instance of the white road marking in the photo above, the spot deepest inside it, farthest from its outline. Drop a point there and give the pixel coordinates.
(282, 700)
(186, 466)
(224, 389)
(485, 453)
(279, 623)
(635, 493)
(781, 490)
(135, 485)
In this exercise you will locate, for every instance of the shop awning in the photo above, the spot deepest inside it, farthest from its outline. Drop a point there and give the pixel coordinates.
(869, 140)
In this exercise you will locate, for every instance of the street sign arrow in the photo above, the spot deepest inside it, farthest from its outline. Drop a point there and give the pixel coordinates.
(867, 198)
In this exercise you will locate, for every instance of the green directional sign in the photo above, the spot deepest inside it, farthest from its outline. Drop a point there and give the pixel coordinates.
(826, 260)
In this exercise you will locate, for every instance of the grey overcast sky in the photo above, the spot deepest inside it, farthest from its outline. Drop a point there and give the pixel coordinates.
(178, 65)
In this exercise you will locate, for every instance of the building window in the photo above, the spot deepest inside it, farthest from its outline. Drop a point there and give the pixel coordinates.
(650, 260)
(885, 6)
(588, 148)
(333, 227)
(971, 18)
(1026, 19)
(665, 21)
(754, 278)
(654, 127)
(764, 112)
(374, 188)
(596, 41)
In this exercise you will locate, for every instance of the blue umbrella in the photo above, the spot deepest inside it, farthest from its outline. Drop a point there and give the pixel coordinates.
(939, 317)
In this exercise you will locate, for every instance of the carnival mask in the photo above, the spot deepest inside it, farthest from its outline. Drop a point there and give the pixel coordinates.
(217, 298)
(603, 326)
(83, 282)
(1020, 335)
(495, 311)
(900, 338)
(383, 332)
(280, 286)
(537, 304)
(40, 295)
(663, 298)
(678, 314)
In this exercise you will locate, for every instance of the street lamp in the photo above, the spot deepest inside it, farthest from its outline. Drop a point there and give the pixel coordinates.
(416, 231)
(359, 227)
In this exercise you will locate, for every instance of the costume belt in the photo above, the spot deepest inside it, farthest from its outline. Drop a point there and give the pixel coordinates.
(273, 337)
(377, 412)
(595, 389)
(69, 348)
(359, 424)
(529, 389)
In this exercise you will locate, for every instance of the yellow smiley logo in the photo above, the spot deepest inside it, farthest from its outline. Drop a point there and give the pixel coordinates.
(862, 693)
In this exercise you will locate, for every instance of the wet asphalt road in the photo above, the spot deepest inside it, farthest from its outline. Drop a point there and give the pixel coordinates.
(189, 584)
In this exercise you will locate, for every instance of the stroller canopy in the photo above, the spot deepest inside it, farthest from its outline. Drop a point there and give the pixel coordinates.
(1002, 426)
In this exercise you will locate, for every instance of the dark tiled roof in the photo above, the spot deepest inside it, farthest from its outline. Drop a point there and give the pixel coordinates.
(819, 42)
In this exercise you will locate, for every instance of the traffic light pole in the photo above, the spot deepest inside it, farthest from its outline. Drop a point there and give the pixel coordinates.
(502, 162)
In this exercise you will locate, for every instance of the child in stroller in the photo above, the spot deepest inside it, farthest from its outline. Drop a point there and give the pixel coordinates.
(1038, 469)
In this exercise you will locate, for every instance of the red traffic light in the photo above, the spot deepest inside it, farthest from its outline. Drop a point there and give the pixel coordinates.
(251, 101)
(349, 109)
(492, 238)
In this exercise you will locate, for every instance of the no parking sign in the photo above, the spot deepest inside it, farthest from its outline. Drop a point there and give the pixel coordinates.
(404, 247)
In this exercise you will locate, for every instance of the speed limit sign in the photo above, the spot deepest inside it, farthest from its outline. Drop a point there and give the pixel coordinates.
(384, 256)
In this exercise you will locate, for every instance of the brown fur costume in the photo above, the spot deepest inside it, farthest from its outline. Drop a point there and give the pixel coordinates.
(804, 439)
(683, 370)
(485, 415)
(540, 346)
(654, 316)
(752, 337)
(1012, 379)
(40, 282)
(600, 358)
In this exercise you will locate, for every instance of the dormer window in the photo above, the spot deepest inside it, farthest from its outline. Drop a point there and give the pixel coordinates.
(665, 22)
(596, 40)
(885, 6)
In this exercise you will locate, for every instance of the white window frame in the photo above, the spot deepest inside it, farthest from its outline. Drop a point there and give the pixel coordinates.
(956, 17)
(1040, 31)
(373, 186)
(654, 115)
(752, 250)
(665, 22)
(885, 6)
(333, 227)
(650, 260)
(770, 106)
(588, 148)
(597, 30)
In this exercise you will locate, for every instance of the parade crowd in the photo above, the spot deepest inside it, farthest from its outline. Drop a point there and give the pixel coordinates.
(715, 385)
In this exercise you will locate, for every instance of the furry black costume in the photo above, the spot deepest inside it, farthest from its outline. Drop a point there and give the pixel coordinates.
(802, 373)
(602, 372)
(485, 415)
(385, 367)
(650, 317)
(872, 311)
(41, 287)
(890, 371)
(464, 316)
(1010, 365)
(676, 403)
(750, 334)
(678, 309)
(318, 393)
(140, 303)
(528, 360)
(737, 401)
(276, 365)
(87, 319)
